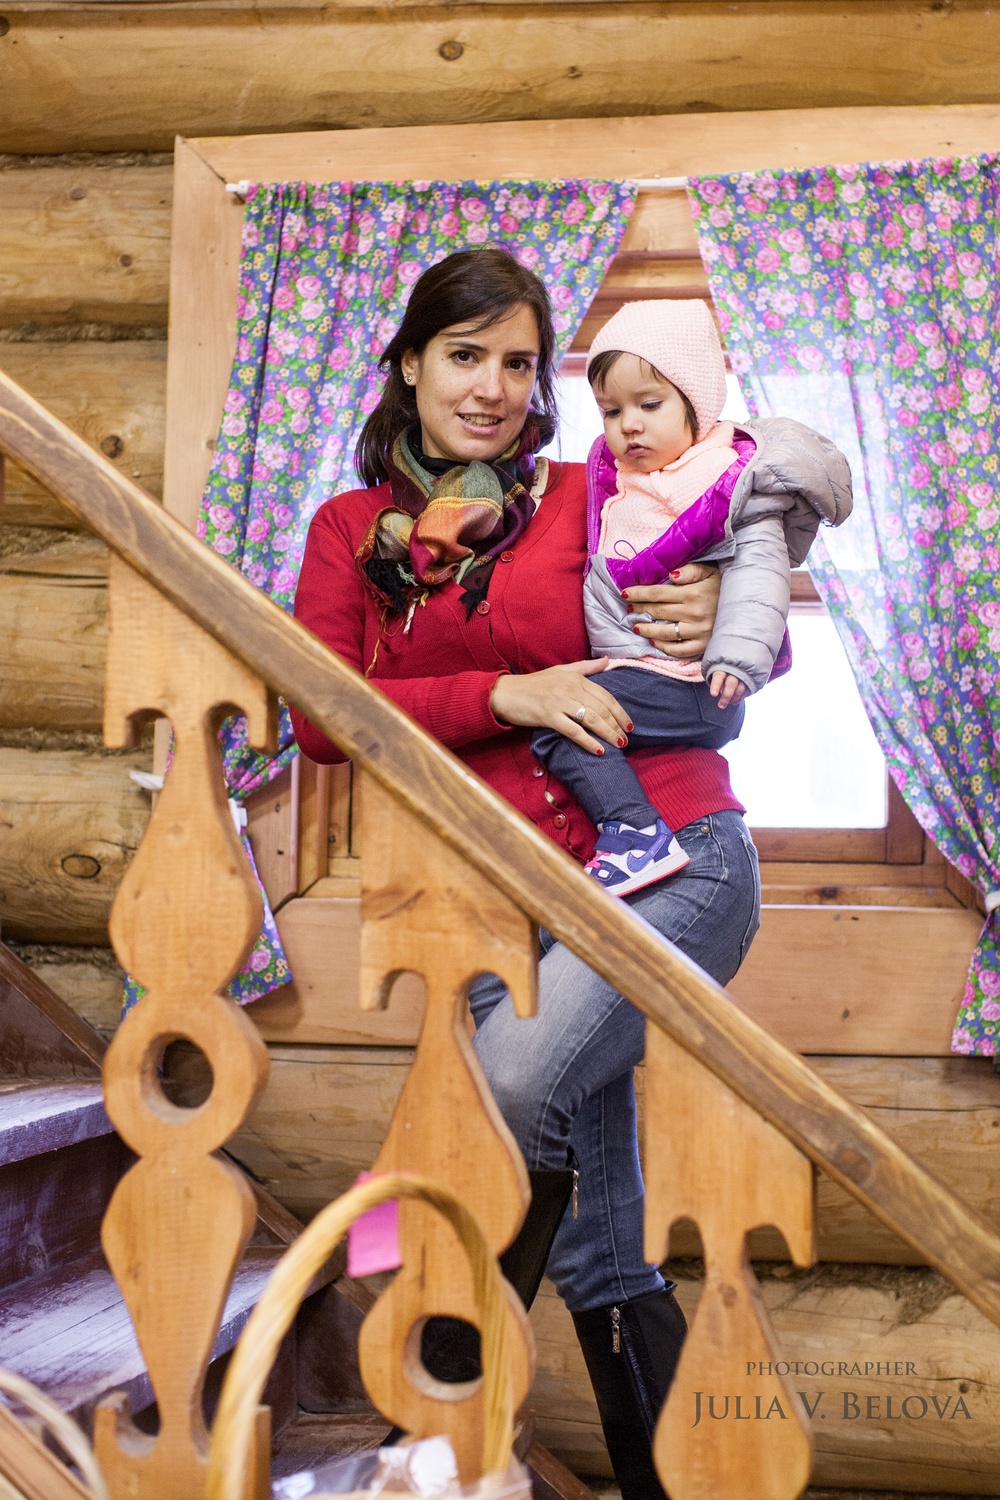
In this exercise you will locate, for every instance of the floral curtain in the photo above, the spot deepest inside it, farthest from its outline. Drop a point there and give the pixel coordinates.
(863, 300)
(325, 275)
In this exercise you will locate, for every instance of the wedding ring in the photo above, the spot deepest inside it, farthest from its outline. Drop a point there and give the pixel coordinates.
(580, 714)
(677, 631)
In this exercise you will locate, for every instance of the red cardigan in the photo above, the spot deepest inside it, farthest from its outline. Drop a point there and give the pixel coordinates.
(443, 670)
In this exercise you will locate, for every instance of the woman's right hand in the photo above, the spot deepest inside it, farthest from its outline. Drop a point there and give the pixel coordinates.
(683, 610)
(550, 699)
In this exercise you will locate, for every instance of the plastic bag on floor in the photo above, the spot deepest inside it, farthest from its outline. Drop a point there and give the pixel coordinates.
(423, 1470)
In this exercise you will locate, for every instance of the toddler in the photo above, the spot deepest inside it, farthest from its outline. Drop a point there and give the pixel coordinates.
(669, 484)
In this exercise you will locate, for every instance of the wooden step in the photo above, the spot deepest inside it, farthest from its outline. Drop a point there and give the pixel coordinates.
(70, 1332)
(39, 1115)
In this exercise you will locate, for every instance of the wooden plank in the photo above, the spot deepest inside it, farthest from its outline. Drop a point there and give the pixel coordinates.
(184, 919)
(269, 826)
(316, 798)
(423, 910)
(858, 980)
(204, 268)
(130, 76)
(28, 1463)
(321, 1005)
(85, 242)
(53, 611)
(42, 1036)
(512, 854)
(89, 980)
(111, 393)
(71, 822)
(711, 1159)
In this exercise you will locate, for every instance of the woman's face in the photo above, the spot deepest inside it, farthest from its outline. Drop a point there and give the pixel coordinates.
(473, 386)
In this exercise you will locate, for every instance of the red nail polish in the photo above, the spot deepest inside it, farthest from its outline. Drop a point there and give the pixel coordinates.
(620, 744)
(676, 573)
(636, 630)
(629, 609)
(624, 595)
(630, 726)
(599, 750)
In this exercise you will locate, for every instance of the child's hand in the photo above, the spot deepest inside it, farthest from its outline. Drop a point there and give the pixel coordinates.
(727, 688)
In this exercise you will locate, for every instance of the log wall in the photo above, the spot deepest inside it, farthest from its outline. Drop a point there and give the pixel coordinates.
(131, 76)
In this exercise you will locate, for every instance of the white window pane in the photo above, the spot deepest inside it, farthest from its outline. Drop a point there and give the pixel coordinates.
(807, 757)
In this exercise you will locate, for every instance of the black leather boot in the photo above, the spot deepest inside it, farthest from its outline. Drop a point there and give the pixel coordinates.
(449, 1347)
(632, 1351)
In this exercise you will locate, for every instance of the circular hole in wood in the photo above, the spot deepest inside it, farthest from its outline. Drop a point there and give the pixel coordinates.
(77, 193)
(112, 445)
(450, 51)
(454, 1372)
(81, 866)
(124, 260)
(574, 72)
(186, 1076)
(4, 25)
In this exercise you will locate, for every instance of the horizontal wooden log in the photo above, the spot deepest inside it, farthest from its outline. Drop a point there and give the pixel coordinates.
(858, 979)
(325, 1107)
(112, 394)
(131, 76)
(91, 241)
(838, 1316)
(53, 612)
(71, 821)
(83, 243)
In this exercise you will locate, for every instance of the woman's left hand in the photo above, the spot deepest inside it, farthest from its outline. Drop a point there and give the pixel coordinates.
(683, 611)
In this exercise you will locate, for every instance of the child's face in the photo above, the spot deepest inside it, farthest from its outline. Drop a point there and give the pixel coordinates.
(644, 419)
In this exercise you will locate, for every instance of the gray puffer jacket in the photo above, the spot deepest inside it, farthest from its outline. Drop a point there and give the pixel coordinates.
(795, 480)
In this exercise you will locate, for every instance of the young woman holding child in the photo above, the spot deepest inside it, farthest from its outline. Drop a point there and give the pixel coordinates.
(455, 582)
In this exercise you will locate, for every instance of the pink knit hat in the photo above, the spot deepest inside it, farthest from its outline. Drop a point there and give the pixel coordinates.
(680, 340)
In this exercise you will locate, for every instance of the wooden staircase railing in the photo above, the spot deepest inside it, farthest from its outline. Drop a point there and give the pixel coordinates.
(454, 883)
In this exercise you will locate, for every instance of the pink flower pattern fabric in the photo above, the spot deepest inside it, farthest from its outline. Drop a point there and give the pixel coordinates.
(863, 300)
(325, 275)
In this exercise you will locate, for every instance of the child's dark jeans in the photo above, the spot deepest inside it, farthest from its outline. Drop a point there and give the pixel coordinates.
(664, 712)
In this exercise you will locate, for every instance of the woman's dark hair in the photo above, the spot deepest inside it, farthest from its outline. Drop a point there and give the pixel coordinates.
(482, 287)
(600, 366)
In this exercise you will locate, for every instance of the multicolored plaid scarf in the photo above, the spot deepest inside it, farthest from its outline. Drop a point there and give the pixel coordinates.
(446, 526)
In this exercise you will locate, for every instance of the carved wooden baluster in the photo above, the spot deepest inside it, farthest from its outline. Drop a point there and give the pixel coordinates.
(710, 1158)
(185, 917)
(424, 909)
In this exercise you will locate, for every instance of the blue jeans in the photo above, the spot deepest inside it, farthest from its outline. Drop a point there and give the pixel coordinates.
(563, 1080)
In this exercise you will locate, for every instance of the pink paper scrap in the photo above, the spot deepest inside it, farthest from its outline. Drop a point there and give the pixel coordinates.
(373, 1240)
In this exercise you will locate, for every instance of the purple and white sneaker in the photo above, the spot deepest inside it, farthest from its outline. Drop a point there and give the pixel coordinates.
(627, 858)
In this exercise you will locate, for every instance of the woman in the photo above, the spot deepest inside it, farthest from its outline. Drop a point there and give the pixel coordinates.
(454, 580)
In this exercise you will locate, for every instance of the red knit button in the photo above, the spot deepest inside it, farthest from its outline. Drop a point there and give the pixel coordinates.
(560, 820)
(483, 607)
(506, 557)
(538, 770)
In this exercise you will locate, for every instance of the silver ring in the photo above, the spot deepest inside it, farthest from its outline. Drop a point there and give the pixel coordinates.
(677, 631)
(580, 714)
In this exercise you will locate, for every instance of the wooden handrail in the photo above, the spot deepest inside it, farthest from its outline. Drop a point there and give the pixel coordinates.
(510, 852)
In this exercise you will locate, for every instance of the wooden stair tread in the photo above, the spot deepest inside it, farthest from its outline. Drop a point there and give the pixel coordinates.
(69, 1331)
(39, 1115)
